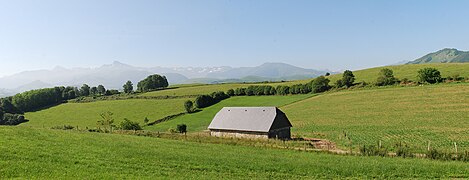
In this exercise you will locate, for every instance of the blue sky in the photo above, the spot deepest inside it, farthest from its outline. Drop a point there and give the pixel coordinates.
(346, 34)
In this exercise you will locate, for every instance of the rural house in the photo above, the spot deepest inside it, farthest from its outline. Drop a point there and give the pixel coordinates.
(250, 122)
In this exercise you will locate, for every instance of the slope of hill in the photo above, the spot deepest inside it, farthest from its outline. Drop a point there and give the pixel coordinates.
(200, 121)
(54, 154)
(408, 71)
(413, 115)
(87, 114)
(443, 56)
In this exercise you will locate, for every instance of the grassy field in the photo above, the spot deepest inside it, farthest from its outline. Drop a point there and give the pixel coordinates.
(408, 71)
(87, 114)
(199, 121)
(417, 115)
(43, 154)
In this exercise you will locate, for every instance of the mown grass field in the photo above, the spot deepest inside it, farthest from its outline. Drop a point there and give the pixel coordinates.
(408, 71)
(87, 114)
(199, 121)
(416, 115)
(32, 153)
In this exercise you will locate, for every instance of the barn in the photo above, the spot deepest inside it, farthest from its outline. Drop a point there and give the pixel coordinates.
(250, 122)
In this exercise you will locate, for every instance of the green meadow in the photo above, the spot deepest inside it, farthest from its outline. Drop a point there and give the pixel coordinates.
(435, 114)
(32, 153)
(199, 121)
(87, 114)
(408, 71)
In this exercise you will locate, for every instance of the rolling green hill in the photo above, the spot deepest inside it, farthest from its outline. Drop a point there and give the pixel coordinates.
(31, 153)
(199, 121)
(416, 115)
(87, 114)
(444, 56)
(408, 71)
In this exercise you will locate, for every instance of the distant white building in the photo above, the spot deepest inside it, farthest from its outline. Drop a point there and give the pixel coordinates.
(250, 122)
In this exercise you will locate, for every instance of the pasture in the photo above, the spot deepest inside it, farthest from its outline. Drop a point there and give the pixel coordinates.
(415, 115)
(43, 154)
(87, 114)
(199, 121)
(408, 71)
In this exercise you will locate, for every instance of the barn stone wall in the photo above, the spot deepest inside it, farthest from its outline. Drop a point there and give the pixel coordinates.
(239, 134)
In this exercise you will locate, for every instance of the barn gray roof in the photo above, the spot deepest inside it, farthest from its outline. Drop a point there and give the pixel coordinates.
(258, 119)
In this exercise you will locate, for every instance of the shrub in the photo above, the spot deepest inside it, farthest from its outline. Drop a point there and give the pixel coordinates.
(189, 106)
(386, 77)
(240, 91)
(320, 84)
(230, 92)
(152, 82)
(12, 119)
(182, 128)
(129, 125)
(403, 150)
(429, 75)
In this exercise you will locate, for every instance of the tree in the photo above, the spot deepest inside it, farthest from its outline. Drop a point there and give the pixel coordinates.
(429, 75)
(182, 128)
(189, 106)
(347, 79)
(386, 77)
(85, 90)
(128, 87)
(107, 121)
(94, 90)
(101, 90)
(152, 82)
(320, 84)
(230, 92)
(328, 74)
(129, 125)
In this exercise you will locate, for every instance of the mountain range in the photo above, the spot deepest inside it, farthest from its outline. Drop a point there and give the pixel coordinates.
(447, 55)
(114, 75)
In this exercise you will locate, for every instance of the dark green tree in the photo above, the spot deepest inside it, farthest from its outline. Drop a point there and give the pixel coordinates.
(85, 90)
(182, 128)
(320, 84)
(94, 91)
(128, 87)
(189, 106)
(129, 125)
(347, 79)
(101, 90)
(230, 92)
(386, 77)
(152, 82)
(429, 75)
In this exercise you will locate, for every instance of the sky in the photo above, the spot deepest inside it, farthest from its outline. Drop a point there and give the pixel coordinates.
(328, 34)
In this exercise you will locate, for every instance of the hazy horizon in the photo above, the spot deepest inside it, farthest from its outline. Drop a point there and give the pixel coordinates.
(334, 35)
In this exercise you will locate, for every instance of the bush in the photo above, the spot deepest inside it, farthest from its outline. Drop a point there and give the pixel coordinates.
(240, 91)
(386, 77)
(12, 119)
(129, 125)
(429, 75)
(373, 151)
(189, 106)
(182, 128)
(230, 92)
(403, 150)
(320, 84)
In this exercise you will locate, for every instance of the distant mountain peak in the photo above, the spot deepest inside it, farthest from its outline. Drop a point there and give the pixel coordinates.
(446, 55)
(117, 64)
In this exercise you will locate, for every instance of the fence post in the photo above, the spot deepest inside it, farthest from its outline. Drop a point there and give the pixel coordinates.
(456, 147)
